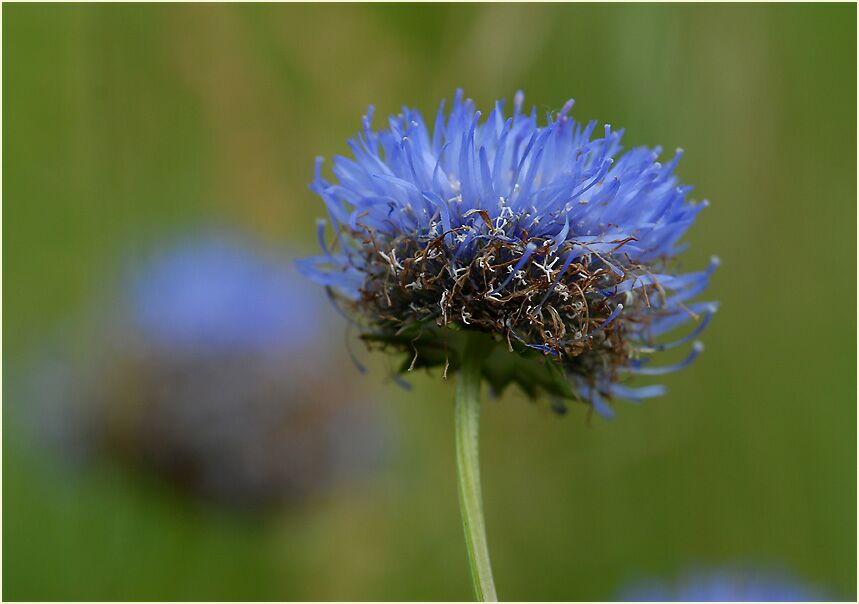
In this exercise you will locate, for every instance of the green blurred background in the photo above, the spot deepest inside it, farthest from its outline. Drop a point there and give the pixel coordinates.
(126, 123)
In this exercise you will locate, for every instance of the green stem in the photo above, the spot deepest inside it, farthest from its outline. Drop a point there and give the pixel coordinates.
(468, 470)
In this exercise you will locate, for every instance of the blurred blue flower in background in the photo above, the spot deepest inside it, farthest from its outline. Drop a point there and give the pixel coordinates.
(218, 291)
(213, 372)
(547, 239)
(729, 584)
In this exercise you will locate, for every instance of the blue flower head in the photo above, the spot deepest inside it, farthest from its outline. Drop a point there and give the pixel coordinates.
(213, 375)
(218, 291)
(725, 585)
(547, 239)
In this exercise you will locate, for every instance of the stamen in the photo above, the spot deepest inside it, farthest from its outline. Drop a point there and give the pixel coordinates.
(529, 249)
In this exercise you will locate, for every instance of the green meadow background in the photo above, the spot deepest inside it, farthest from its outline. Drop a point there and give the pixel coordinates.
(123, 124)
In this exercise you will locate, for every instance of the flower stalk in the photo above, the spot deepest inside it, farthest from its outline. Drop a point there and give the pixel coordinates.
(467, 424)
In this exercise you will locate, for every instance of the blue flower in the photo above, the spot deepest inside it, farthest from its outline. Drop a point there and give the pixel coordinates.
(213, 373)
(218, 290)
(547, 239)
(724, 585)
